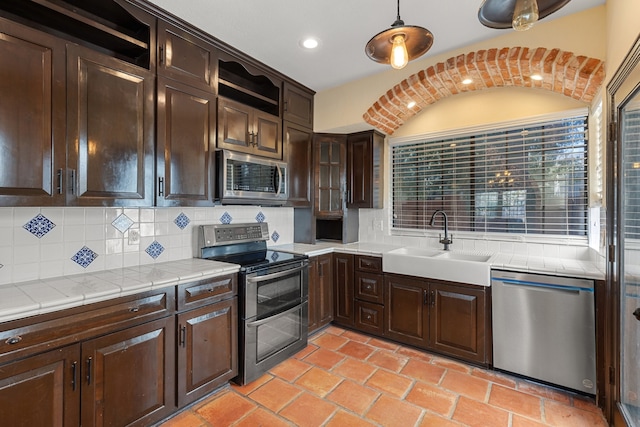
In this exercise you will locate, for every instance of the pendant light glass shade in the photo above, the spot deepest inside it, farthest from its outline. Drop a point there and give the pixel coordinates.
(525, 14)
(501, 14)
(399, 44)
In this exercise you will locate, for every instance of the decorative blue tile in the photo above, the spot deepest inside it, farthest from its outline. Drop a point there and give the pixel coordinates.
(182, 220)
(275, 236)
(39, 226)
(122, 223)
(155, 249)
(275, 256)
(226, 218)
(84, 257)
(260, 217)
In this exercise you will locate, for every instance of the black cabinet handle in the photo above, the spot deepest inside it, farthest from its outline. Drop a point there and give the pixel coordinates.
(160, 186)
(74, 372)
(13, 340)
(89, 359)
(183, 336)
(433, 298)
(73, 182)
(637, 313)
(60, 178)
(161, 55)
(425, 297)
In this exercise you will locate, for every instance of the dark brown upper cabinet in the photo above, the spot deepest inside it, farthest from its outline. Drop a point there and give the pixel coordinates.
(32, 117)
(298, 106)
(110, 131)
(330, 154)
(365, 171)
(184, 57)
(298, 147)
(186, 120)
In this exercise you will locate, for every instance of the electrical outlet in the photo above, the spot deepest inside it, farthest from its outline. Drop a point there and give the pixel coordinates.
(134, 236)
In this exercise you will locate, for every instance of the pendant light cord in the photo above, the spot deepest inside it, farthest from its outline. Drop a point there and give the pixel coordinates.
(399, 10)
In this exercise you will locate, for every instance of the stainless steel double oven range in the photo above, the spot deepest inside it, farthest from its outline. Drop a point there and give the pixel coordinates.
(273, 294)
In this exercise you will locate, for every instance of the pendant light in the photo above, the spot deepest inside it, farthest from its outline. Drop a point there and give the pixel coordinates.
(517, 14)
(399, 44)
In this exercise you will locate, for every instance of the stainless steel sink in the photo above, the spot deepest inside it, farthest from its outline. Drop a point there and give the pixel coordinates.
(464, 267)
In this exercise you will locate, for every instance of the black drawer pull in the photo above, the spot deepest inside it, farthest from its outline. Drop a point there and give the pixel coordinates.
(89, 359)
(74, 369)
(134, 309)
(13, 340)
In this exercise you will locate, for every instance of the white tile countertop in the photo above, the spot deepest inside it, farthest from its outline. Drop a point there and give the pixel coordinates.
(47, 295)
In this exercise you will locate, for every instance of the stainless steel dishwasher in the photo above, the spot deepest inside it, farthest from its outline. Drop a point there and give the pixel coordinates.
(544, 328)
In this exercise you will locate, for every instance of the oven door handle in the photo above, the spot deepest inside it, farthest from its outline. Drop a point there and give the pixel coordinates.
(274, 317)
(277, 275)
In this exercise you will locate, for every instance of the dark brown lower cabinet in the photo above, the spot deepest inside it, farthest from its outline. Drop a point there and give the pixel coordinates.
(343, 310)
(320, 291)
(369, 317)
(207, 349)
(128, 376)
(42, 390)
(444, 317)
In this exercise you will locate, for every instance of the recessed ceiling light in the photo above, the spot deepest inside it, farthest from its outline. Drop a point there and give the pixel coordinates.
(467, 81)
(411, 104)
(536, 77)
(310, 43)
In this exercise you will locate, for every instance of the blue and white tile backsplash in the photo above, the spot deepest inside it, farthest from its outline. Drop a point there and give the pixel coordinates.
(45, 242)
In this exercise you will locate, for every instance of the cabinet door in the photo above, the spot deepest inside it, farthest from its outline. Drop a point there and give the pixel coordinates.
(129, 376)
(369, 317)
(330, 155)
(343, 289)
(234, 125)
(298, 148)
(267, 135)
(32, 117)
(314, 283)
(369, 287)
(207, 349)
(325, 289)
(42, 390)
(186, 58)
(110, 125)
(458, 321)
(365, 170)
(407, 310)
(186, 141)
(298, 106)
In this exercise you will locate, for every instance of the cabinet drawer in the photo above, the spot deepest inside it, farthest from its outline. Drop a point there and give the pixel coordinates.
(369, 287)
(369, 317)
(29, 336)
(202, 292)
(369, 263)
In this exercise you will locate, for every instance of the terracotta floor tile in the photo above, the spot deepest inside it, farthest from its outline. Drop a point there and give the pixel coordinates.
(560, 415)
(433, 398)
(415, 354)
(356, 350)
(391, 361)
(495, 377)
(343, 419)
(248, 388)
(352, 396)
(391, 412)
(477, 414)
(357, 337)
(355, 370)
(185, 419)
(275, 394)
(226, 409)
(310, 348)
(520, 421)
(261, 417)
(318, 381)
(545, 392)
(376, 342)
(388, 382)
(290, 369)
(330, 342)
(466, 384)
(308, 411)
(433, 420)
(324, 358)
(516, 401)
(423, 371)
(450, 364)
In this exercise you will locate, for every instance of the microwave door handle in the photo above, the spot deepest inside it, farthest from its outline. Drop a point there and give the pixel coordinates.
(257, 279)
(279, 179)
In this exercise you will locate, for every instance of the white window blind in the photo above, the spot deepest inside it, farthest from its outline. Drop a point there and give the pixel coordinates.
(528, 179)
(631, 171)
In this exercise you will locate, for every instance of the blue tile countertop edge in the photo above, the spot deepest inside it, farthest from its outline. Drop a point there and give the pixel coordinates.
(35, 297)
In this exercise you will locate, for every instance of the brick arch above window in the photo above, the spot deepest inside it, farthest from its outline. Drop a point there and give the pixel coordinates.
(578, 77)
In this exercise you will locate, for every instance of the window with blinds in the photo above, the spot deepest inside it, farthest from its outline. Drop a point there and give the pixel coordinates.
(529, 179)
(631, 166)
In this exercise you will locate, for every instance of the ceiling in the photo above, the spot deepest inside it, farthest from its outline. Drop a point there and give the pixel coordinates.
(271, 30)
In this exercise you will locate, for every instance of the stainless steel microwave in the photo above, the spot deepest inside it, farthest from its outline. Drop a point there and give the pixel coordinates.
(247, 179)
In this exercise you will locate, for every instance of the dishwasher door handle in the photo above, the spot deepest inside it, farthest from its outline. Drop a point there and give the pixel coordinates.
(542, 286)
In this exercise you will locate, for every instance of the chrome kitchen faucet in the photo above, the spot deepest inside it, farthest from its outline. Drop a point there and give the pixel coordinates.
(447, 239)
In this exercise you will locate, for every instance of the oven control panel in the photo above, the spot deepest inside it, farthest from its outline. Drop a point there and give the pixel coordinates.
(225, 234)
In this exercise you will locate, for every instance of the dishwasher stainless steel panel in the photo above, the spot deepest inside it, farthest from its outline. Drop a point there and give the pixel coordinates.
(544, 328)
